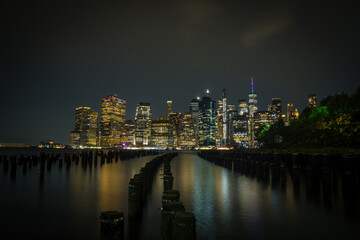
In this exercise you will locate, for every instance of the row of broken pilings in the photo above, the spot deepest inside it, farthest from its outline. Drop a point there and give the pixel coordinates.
(87, 158)
(176, 224)
(324, 175)
(112, 222)
(140, 185)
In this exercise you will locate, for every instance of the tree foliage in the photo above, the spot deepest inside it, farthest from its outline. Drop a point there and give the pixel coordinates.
(336, 123)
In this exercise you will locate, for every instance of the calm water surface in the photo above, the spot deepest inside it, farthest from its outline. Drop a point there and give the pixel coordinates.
(227, 204)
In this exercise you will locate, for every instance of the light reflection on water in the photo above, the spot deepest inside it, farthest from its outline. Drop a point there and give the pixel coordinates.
(227, 204)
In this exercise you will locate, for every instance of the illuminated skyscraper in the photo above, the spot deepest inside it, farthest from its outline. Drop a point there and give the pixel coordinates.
(241, 130)
(252, 109)
(243, 107)
(86, 127)
(224, 117)
(143, 124)
(74, 139)
(127, 138)
(162, 133)
(231, 115)
(112, 121)
(187, 132)
(168, 108)
(219, 122)
(207, 121)
(252, 100)
(176, 119)
(312, 99)
(194, 111)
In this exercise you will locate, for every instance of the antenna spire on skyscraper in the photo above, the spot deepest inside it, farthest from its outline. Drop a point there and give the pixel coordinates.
(252, 85)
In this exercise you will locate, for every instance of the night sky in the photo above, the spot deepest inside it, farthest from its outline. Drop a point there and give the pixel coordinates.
(58, 55)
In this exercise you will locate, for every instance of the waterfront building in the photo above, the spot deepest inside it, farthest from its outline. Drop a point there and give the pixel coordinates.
(74, 139)
(169, 109)
(207, 121)
(194, 111)
(142, 125)
(176, 119)
(86, 128)
(218, 130)
(219, 122)
(224, 117)
(127, 137)
(312, 100)
(162, 133)
(187, 132)
(231, 115)
(112, 121)
(252, 109)
(50, 144)
(252, 100)
(241, 130)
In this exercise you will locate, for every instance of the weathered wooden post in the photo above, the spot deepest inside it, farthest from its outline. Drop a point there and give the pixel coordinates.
(112, 225)
(184, 226)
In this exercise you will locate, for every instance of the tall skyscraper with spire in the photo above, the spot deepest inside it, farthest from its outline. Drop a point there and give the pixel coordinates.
(252, 109)
(252, 100)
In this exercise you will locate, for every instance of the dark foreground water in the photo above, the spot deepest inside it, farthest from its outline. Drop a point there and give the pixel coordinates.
(227, 204)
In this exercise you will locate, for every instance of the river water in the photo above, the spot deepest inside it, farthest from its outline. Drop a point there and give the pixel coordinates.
(227, 204)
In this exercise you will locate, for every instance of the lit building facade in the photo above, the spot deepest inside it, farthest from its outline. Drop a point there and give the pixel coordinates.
(74, 139)
(142, 125)
(169, 108)
(86, 128)
(127, 137)
(113, 110)
(219, 122)
(194, 111)
(241, 130)
(188, 132)
(224, 117)
(261, 118)
(252, 110)
(176, 119)
(243, 107)
(231, 115)
(162, 133)
(207, 121)
(312, 100)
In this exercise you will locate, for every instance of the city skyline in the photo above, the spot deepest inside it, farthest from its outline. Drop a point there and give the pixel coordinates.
(208, 123)
(64, 54)
(165, 106)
